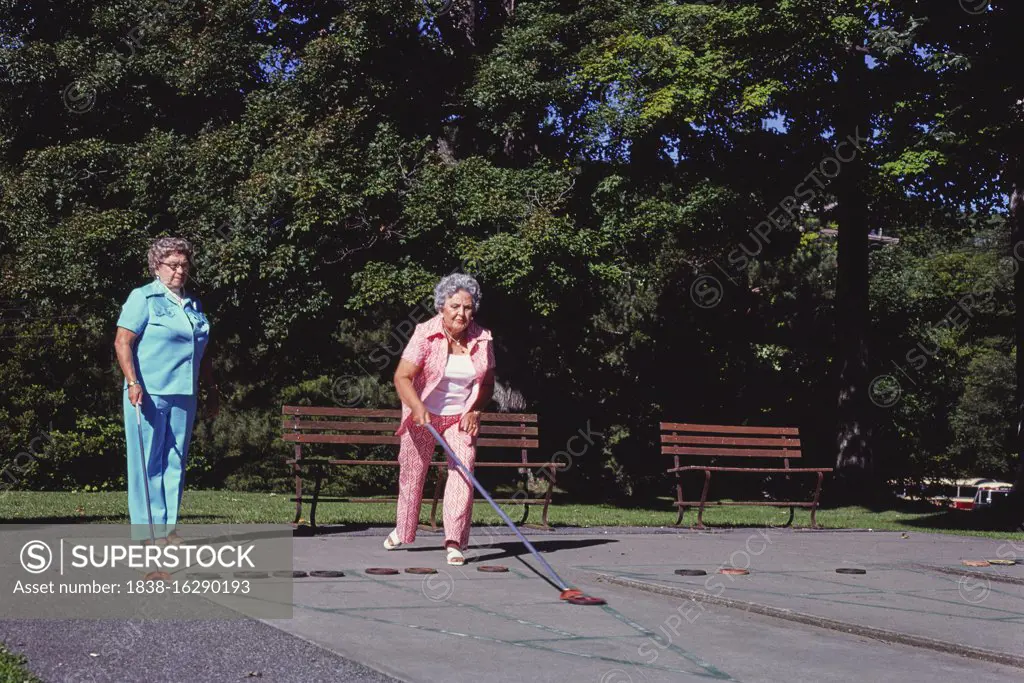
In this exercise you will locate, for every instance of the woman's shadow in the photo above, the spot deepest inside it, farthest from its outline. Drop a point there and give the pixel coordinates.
(517, 549)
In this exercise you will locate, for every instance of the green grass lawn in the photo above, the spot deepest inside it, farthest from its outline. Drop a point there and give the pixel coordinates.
(215, 507)
(12, 668)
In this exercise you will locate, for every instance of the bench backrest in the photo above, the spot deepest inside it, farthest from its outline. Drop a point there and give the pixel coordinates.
(730, 441)
(309, 424)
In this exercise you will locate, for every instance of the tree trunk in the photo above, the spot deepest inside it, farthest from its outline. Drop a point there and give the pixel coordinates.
(1016, 236)
(854, 459)
(855, 466)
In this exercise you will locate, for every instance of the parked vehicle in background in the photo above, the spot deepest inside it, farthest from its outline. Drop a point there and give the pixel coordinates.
(991, 491)
(953, 493)
(959, 494)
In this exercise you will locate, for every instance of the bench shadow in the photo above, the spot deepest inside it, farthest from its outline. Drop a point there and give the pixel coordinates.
(500, 551)
(517, 550)
(965, 520)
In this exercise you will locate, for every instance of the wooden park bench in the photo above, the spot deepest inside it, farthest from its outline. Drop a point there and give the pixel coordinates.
(361, 426)
(744, 445)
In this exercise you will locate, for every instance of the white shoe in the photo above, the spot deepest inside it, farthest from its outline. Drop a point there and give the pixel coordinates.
(455, 556)
(391, 542)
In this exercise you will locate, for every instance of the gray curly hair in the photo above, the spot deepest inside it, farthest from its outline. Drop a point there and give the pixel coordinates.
(450, 284)
(164, 247)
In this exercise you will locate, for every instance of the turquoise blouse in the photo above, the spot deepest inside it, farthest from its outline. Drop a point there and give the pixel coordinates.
(171, 339)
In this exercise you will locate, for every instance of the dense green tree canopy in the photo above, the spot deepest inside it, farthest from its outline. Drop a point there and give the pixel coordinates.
(647, 190)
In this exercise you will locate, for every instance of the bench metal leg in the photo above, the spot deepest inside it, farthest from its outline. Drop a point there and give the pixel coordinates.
(298, 500)
(524, 486)
(319, 474)
(298, 485)
(790, 493)
(526, 514)
(682, 511)
(703, 499)
(814, 503)
(679, 494)
(544, 526)
(547, 503)
(437, 497)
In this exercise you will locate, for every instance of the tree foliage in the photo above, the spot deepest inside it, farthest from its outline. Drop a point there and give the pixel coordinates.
(641, 186)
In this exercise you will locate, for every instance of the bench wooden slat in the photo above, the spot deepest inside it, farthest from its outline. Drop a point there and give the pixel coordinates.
(514, 443)
(299, 437)
(433, 463)
(701, 468)
(727, 429)
(500, 429)
(729, 452)
(382, 426)
(369, 439)
(390, 426)
(729, 441)
(339, 412)
(508, 417)
(393, 413)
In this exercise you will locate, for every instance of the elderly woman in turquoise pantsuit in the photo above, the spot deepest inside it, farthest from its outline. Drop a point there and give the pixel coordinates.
(161, 342)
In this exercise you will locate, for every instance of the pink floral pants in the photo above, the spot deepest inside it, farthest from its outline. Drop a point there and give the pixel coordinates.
(414, 455)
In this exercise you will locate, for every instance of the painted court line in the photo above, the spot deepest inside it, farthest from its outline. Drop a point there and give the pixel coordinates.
(707, 669)
(830, 599)
(821, 622)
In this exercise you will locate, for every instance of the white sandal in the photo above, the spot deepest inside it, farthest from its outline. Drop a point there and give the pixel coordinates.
(455, 556)
(391, 544)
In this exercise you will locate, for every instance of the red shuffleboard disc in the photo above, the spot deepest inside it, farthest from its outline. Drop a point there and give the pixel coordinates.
(586, 600)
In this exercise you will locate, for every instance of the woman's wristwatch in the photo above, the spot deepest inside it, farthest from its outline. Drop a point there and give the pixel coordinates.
(133, 383)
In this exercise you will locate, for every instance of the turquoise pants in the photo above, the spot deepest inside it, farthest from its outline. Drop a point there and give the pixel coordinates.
(166, 433)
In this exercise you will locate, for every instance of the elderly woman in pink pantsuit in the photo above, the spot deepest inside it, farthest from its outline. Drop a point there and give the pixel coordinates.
(445, 376)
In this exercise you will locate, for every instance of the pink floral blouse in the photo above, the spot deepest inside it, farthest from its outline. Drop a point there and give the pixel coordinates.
(428, 349)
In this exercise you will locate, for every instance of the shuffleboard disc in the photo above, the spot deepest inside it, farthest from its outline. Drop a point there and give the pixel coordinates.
(691, 572)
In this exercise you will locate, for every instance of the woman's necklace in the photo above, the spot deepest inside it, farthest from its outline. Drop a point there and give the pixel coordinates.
(452, 339)
(177, 294)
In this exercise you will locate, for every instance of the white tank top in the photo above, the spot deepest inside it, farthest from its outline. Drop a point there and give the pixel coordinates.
(451, 393)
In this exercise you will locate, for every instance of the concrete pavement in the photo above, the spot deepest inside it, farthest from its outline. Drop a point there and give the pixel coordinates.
(464, 625)
(461, 624)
